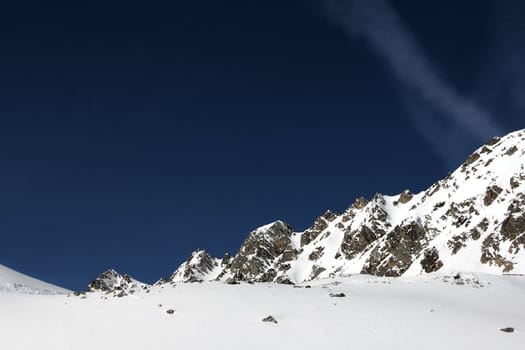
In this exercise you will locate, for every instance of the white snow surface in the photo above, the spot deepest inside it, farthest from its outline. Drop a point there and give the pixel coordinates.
(424, 312)
(12, 281)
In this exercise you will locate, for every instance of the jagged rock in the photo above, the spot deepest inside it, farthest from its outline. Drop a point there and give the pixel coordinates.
(199, 267)
(397, 254)
(493, 141)
(264, 247)
(431, 262)
(485, 149)
(492, 193)
(270, 319)
(457, 242)
(320, 224)
(405, 197)
(490, 253)
(355, 243)
(473, 157)
(360, 203)
(316, 254)
(161, 281)
(170, 311)
(110, 281)
(513, 230)
(226, 260)
(511, 151)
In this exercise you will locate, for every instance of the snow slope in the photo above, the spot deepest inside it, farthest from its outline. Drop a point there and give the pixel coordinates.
(425, 312)
(12, 281)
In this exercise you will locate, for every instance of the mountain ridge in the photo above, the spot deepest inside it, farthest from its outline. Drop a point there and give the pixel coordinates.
(473, 220)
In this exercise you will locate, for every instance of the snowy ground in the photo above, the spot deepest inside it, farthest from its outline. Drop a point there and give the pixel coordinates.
(377, 313)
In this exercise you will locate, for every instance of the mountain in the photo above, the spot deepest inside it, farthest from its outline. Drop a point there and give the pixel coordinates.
(472, 220)
(111, 282)
(12, 281)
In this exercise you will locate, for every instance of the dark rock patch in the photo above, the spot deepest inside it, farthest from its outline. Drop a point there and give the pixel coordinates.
(355, 243)
(359, 203)
(491, 194)
(430, 261)
(395, 257)
(405, 197)
(493, 141)
(270, 319)
(473, 157)
(316, 271)
(511, 151)
(262, 250)
(337, 295)
(316, 254)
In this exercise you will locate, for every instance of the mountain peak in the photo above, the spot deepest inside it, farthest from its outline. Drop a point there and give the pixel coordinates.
(111, 282)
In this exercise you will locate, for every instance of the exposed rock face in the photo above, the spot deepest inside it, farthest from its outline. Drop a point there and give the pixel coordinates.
(264, 253)
(111, 282)
(320, 224)
(355, 243)
(431, 262)
(492, 193)
(405, 197)
(475, 215)
(396, 254)
(197, 268)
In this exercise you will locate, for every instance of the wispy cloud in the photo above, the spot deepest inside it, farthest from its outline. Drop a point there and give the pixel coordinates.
(501, 86)
(443, 117)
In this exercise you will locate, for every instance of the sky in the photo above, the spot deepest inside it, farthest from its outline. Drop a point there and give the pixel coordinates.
(132, 133)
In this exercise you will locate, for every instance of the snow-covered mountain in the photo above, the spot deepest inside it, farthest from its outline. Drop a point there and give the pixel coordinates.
(472, 220)
(12, 281)
(111, 282)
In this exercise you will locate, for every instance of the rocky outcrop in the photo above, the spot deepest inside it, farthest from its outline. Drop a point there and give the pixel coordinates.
(320, 224)
(197, 268)
(266, 252)
(492, 193)
(111, 282)
(405, 197)
(396, 254)
(430, 261)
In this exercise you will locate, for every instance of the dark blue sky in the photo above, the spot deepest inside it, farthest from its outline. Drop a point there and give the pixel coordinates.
(132, 133)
